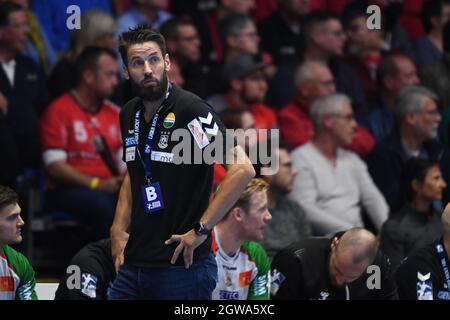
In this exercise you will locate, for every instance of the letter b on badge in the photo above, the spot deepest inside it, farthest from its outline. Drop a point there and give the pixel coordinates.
(151, 193)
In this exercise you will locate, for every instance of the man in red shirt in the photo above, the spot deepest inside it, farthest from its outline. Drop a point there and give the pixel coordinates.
(248, 86)
(81, 143)
(314, 80)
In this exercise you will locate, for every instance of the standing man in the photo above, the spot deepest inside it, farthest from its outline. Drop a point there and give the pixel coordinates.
(164, 206)
(16, 274)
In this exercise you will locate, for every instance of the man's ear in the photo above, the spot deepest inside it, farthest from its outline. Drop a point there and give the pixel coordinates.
(238, 214)
(125, 72)
(88, 76)
(167, 62)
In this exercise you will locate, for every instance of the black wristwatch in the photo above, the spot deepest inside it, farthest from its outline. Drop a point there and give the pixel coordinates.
(200, 229)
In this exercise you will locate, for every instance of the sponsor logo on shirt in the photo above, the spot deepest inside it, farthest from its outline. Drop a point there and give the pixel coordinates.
(424, 286)
(169, 121)
(261, 285)
(197, 132)
(277, 279)
(228, 295)
(89, 285)
(162, 156)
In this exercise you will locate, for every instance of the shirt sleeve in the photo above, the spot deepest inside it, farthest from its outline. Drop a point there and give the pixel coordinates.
(52, 129)
(259, 287)
(26, 288)
(206, 128)
(371, 198)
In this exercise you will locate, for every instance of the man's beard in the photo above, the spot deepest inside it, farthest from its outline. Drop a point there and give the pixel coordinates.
(151, 93)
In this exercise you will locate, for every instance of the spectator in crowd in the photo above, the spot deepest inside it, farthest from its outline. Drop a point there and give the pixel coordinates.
(239, 36)
(23, 88)
(58, 17)
(436, 76)
(324, 43)
(247, 89)
(428, 49)
(418, 119)
(336, 269)
(98, 30)
(212, 49)
(183, 45)
(82, 143)
(95, 267)
(16, 272)
(289, 223)
(416, 223)
(151, 12)
(240, 120)
(395, 72)
(364, 49)
(38, 46)
(281, 32)
(242, 263)
(424, 275)
(333, 186)
(314, 80)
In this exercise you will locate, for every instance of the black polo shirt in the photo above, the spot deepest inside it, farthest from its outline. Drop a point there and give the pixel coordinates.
(421, 276)
(97, 273)
(185, 187)
(301, 272)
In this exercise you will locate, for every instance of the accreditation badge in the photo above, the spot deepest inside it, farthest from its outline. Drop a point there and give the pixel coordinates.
(152, 197)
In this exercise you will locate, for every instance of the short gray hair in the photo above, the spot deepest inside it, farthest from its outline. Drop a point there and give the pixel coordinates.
(306, 71)
(327, 105)
(412, 99)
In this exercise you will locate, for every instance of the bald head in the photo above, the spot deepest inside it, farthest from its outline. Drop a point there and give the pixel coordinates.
(362, 244)
(445, 220)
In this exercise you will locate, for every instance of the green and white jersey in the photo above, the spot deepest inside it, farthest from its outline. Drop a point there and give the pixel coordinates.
(16, 276)
(244, 276)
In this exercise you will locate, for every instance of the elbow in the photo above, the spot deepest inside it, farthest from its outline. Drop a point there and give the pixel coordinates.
(246, 172)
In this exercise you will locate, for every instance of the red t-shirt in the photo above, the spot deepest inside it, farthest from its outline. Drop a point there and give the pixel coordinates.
(66, 126)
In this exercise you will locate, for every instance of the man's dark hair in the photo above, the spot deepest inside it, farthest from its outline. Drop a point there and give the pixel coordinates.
(6, 8)
(430, 9)
(169, 29)
(88, 60)
(315, 19)
(140, 34)
(388, 67)
(352, 11)
(7, 197)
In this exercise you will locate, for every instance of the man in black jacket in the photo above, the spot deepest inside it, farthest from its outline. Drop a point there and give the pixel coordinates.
(425, 274)
(350, 267)
(96, 269)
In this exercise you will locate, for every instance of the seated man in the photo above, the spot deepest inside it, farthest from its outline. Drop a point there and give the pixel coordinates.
(17, 280)
(333, 185)
(288, 223)
(95, 267)
(349, 267)
(424, 275)
(81, 141)
(242, 264)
